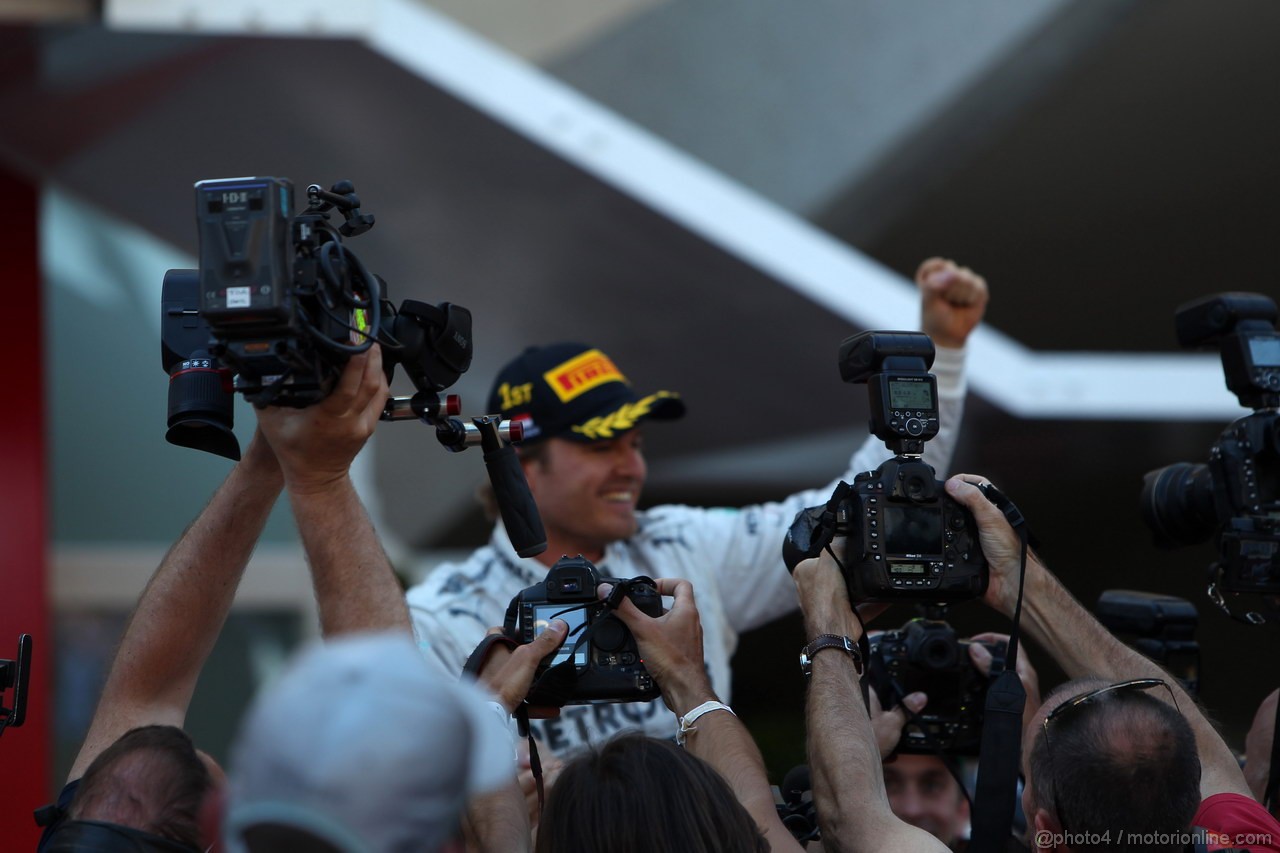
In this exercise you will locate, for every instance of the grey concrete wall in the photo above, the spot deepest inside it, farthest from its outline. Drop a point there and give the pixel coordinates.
(797, 100)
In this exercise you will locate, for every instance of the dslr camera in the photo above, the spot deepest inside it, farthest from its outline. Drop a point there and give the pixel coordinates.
(1233, 499)
(599, 660)
(278, 306)
(907, 539)
(925, 655)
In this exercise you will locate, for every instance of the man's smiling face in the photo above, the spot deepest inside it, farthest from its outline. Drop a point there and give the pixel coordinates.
(587, 492)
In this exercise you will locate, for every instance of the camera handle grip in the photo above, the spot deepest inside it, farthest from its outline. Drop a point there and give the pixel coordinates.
(510, 488)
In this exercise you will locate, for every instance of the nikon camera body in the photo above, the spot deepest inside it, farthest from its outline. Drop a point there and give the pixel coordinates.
(906, 538)
(599, 660)
(924, 655)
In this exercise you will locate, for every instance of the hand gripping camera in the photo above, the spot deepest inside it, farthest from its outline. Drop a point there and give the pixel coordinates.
(925, 655)
(280, 304)
(907, 539)
(599, 660)
(1235, 498)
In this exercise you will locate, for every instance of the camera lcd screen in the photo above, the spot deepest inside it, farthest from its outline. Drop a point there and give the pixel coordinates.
(906, 569)
(1265, 351)
(544, 613)
(913, 531)
(910, 395)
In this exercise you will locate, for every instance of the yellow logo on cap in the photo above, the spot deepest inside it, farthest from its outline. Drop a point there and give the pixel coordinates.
(622, 420)
(515, 395)
(581, 373)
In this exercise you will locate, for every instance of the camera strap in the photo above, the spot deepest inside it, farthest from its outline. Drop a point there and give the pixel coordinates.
(472, 668)
(899, 693)
(1000, 753)
(864, 645)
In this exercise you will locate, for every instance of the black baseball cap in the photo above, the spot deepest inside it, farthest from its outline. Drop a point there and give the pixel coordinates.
(574, 391)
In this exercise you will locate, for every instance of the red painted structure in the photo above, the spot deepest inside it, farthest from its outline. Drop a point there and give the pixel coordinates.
(25, 751)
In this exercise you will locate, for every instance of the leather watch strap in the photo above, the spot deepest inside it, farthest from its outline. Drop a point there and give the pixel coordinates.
(829, 641)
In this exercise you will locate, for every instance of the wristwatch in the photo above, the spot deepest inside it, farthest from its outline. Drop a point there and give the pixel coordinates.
(828, 641)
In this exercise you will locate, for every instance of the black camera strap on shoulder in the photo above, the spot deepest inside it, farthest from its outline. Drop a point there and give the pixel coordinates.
(1000, 754)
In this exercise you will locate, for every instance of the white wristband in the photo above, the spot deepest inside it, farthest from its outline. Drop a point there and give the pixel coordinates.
(688, 720)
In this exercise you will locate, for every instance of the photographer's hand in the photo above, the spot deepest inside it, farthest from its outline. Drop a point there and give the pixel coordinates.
(316, 444)
(356, 590)
(1000, 544)
(508, 674)
(1027, 674)
(824, 597)
(671, 645)
(953, 300)
(888, 725)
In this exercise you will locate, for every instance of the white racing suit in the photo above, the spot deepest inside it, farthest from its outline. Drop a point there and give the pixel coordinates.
(732, 556)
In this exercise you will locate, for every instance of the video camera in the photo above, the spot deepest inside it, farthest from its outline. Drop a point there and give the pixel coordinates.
(1235, 497)
(924, 655)
(599, 660)
(907, 539)
(279, 305)
(1162, 627)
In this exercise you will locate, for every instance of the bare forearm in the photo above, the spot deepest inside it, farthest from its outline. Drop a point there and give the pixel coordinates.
(844, 760)
(1082, 646)
(356, 590)
(721, 740)
(181, 612)
(498, 822)
(183, 608)
(844, 757)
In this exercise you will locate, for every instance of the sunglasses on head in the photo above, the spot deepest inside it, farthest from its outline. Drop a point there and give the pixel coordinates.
(1091, 697)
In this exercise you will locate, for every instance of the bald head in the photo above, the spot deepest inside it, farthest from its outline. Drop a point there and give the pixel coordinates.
(1124, 758)
(152, 779)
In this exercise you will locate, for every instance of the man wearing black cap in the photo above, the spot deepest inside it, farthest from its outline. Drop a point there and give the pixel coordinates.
(582, 455)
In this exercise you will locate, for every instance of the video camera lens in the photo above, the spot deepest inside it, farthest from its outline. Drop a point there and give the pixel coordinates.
(201, 408)
(1177, 504)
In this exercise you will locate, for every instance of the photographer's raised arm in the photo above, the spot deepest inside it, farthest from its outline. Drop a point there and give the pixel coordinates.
(181, 612)
(355, 587)
(844, 758)
(671, 646)
(1075, 639)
